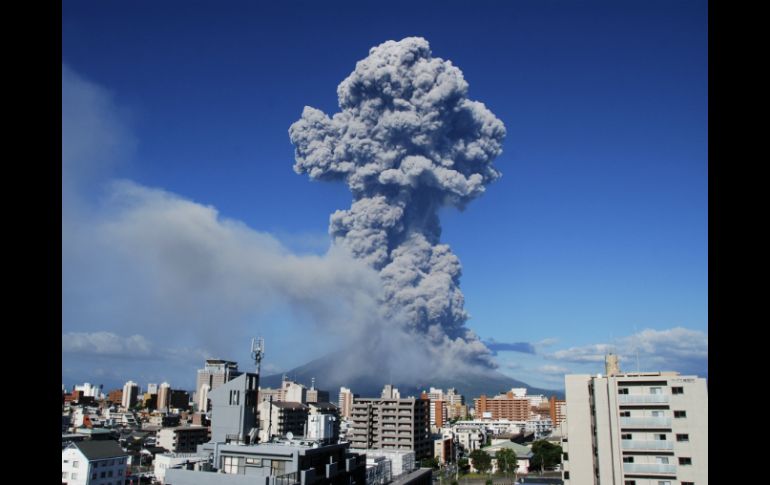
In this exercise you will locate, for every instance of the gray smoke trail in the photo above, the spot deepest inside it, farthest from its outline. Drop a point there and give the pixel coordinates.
(407, 141)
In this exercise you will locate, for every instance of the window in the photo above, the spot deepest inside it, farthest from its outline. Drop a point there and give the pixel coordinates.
(109, 473)
(566, 475)
(656, 390)
(231, 464)
(664, 482)
(626, 436)
(629, 482)
(685, 460)
(688, 483)
(657, 414)
(93, 477)
(680, 414)
(65, 461)
(64, 474)
(278, 467)
(661, 460)
(623, 390)
(677, 390)
(104, 474)
(565, 456)
(683, 437)
(75, 464)
(74, 476)
(628, 459)
(625, 414)
(660, 437)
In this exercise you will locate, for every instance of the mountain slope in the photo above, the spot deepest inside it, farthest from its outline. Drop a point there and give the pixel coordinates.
(470, 384)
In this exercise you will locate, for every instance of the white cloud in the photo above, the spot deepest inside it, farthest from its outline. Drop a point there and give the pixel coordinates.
(547, 342)
(95, 133)
(678, 349)
(169, 268)
(105, 343)
(587, 353)
(552, 369)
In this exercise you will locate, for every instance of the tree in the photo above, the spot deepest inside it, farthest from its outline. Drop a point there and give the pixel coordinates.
(545, 455)
(506, 460)
(481, 461)
(429, 463)
(462, 464)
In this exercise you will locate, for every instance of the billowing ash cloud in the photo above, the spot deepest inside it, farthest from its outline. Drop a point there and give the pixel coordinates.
(407, 141)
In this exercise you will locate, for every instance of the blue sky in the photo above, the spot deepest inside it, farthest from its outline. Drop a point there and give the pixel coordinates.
(595, 234)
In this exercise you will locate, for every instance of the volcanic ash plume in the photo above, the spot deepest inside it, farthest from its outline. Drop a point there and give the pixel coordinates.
(407, 141)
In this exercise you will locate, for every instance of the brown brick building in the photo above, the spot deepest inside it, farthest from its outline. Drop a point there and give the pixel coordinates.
(503, 406)
(558, 408)
(115, 396)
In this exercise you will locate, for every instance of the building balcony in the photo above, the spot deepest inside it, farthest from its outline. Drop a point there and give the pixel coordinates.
(643, 399)
(649, 468)
(645, 422)
(652, 445)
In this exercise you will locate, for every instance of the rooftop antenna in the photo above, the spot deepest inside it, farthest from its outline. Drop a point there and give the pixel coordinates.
(257, 351)
(312, 383)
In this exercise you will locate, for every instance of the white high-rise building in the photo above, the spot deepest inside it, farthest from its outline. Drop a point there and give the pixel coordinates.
(452, 397)
(636, 429)
(519, 391)
(390, 392)
(215, 373)
(152, 388)
(164, 394)
(130, 394)
(436, 397)
(203, 398)
(293, 392)
(89, 390)
(345, 402)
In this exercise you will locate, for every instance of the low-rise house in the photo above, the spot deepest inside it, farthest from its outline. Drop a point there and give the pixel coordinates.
(93, 463)
(523, 456)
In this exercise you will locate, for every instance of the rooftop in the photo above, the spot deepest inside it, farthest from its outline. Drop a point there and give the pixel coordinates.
(520, 450)
(98, 450)
(289, 405)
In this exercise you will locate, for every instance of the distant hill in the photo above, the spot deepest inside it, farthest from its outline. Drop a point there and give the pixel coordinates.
(471, 385)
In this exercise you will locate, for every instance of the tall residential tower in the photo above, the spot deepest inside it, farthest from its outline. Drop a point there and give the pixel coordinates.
(646, 428)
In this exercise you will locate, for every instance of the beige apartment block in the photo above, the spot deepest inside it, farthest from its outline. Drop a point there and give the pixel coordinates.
(636, 429)
(392, 424)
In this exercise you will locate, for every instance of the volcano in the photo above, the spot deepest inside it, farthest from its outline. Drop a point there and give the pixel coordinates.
(469, 384)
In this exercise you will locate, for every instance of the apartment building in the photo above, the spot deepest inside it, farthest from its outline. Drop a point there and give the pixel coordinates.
(636, 429)
(182, 439)
(215, 373)
(557, 409)
(345, 402)
(392, 424)
(277, 418)
(503, 406)
(130, 394)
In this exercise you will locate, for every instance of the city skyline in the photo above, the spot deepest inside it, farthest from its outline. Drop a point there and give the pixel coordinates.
(186, 232)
